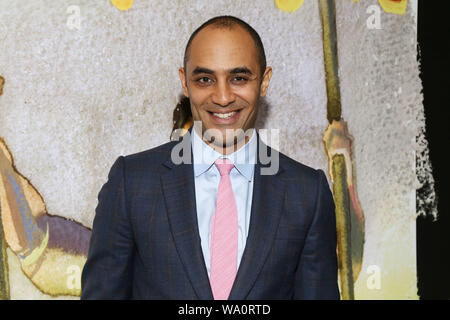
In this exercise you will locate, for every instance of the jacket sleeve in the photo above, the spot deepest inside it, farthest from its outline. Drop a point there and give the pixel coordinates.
(316, 276)
(107, 273)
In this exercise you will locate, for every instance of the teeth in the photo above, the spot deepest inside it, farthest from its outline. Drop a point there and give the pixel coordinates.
(224, 115)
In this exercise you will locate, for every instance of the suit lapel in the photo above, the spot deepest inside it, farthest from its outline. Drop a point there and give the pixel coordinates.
(179, 194)
(267, 205)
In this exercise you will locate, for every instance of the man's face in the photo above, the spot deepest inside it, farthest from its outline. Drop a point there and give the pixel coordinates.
(223, 81)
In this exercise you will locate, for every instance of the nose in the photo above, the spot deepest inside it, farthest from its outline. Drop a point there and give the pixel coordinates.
(223, 95)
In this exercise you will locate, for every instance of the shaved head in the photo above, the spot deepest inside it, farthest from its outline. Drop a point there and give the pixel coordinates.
(230, 22)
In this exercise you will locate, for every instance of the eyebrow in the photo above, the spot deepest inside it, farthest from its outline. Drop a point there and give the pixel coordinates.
(243, 69)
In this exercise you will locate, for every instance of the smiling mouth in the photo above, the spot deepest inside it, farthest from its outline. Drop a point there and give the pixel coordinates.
(225, 116)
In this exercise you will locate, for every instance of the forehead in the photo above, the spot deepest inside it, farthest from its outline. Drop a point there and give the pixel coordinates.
(222, 48)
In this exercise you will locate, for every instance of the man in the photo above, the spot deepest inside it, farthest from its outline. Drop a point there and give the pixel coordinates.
(211, 227)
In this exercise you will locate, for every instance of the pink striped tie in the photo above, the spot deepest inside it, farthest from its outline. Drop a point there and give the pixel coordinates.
(224, 236)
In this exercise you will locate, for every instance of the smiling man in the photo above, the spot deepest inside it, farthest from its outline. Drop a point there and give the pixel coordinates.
(215, 226)
(224, 76)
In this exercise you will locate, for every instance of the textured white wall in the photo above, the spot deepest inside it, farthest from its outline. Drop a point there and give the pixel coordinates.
(74, 100)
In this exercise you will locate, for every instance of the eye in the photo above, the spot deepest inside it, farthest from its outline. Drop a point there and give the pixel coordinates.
(239, 79)
(204, 80)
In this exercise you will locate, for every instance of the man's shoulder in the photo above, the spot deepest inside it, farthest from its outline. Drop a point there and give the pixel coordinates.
(295, 170)
(150, 157)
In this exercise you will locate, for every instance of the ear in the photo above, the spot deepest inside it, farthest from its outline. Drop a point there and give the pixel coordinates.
(183, 81)
(265, 81)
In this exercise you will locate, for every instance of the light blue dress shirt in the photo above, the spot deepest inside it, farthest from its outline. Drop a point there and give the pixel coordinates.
(207, 178)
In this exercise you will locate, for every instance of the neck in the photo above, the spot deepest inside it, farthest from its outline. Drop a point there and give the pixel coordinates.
(228, 149)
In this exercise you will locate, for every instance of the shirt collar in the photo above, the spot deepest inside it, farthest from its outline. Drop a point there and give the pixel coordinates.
(244, 158)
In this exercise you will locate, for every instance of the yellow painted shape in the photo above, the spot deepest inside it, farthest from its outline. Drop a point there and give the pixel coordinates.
(37, 252)
(2, 82)
(188, 123)
(392, 6)
(33, 197)
(344, 248)
(11, 236)
(5, 151)
(396, 7)
(122, 5)
(54, 273)
(289, 5)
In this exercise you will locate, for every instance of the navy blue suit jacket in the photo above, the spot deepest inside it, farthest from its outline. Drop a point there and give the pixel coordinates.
(145, 241)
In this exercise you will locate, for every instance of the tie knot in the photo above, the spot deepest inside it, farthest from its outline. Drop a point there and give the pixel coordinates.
(224, 165)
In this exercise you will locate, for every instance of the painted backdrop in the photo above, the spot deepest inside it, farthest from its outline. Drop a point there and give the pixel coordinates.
(82, 82)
